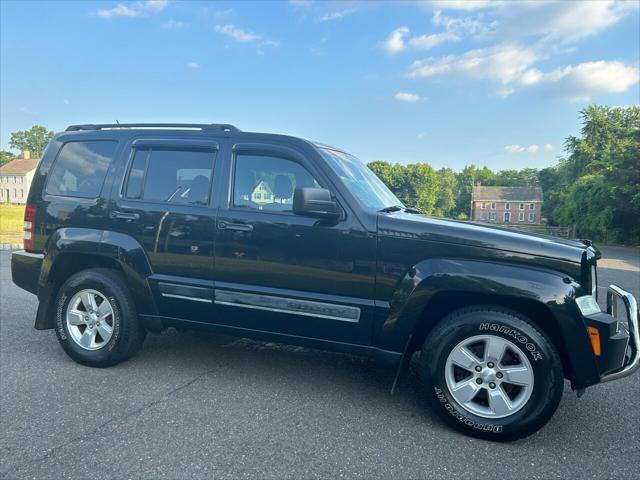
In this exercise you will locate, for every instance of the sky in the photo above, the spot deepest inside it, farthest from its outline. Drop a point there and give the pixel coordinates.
(451, 83)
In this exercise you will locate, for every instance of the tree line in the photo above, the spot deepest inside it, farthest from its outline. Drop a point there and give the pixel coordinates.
(594, 187)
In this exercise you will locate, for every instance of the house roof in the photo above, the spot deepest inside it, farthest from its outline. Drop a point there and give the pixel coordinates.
(507, 194)
(19, 166)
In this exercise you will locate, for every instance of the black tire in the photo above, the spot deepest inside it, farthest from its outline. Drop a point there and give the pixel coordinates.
(494, 321)
(127, 333)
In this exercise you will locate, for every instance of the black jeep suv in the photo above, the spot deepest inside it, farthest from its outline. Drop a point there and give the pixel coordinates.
(132, 229)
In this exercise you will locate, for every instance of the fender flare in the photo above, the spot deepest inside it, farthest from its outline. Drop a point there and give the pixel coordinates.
(119, 248)
(421, 285)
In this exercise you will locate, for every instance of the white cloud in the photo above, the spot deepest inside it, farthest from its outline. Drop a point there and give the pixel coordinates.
(193, 65)
(333, 16)
(533, 148)
(582, 81)
(503, 63)
(173, 24)
(422, 135)
(395, 41)
(567, 21)
(406, 97)
(133, 9)
(238, 34)
(461, 4)
(425, 42)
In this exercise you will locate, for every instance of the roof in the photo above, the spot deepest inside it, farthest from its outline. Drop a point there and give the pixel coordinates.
(507, 194)
(19, 166)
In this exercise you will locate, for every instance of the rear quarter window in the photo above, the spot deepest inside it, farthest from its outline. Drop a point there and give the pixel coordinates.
(80, 168)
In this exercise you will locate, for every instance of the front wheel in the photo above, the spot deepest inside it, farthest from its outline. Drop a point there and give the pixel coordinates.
(491, 373)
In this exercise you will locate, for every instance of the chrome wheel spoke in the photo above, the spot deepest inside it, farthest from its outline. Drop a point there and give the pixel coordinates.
(494, 349)
(105, 332)
(76, 317)
(89, 301)
(465, 391)
(87, 338)
(499, 402)
(104, 310)
(519, 375)
(463, 358)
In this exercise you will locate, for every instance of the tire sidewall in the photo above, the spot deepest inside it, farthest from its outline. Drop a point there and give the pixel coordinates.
(94, 281)
(544, 361)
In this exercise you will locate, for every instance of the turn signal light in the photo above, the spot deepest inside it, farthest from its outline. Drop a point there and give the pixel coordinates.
(594, 336)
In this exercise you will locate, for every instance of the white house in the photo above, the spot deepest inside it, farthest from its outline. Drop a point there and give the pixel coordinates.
(16, 177)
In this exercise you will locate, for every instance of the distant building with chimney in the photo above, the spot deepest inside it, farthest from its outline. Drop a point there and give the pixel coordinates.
(506, 205)
(16, 177)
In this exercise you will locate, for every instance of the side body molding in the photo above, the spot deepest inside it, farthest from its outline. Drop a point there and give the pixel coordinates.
(110, 247)
(419, 289)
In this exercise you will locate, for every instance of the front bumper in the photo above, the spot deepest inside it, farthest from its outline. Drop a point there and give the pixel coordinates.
(618, 340)
(631, 361)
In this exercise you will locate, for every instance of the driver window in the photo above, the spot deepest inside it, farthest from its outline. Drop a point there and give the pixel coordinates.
(266, 182)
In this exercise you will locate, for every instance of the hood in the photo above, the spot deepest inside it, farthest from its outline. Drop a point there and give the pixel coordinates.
(479, 235)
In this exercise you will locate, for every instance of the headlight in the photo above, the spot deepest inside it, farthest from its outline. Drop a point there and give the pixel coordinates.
(587, 305)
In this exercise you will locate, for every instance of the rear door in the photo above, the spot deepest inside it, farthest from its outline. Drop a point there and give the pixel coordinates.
(164, 203)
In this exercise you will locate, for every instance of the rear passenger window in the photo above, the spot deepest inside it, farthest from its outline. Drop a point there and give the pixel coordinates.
(171, 175)
(80, 169)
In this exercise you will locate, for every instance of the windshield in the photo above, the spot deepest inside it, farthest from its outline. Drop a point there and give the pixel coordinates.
(361, 182)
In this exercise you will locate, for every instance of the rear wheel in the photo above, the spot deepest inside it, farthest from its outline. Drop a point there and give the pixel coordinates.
(96, 320)
(491, 373)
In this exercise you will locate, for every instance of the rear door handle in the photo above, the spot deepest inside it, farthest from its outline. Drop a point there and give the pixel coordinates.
(125, 215)
(242, 227)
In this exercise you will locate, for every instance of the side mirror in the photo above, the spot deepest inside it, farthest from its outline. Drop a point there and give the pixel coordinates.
(315, 202)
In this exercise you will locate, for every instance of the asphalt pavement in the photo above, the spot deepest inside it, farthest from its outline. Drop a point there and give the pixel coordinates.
(199, 405)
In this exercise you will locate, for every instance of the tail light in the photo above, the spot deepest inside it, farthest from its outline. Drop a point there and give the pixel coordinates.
(29, 226)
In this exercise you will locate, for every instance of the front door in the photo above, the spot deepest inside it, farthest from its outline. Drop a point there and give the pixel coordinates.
(164, 205)
(285, 273)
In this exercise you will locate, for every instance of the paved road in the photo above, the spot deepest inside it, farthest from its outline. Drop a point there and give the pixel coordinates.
(201, 406)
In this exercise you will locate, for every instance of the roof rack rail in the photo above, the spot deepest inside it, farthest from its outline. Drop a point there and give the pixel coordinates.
(225, 127)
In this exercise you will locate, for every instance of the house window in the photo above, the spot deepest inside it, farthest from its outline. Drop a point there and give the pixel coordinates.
(532, 206)
(493, 205)
(507, 206)
(267, 182)
(172, 175)
(483, 216)
(492, 216)
(521, 216)
(521, 206)
(507, 216)
(532, 216)
(482, 205)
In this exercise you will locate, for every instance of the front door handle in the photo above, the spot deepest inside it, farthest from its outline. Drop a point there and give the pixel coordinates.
(241, 227)
(125, 215)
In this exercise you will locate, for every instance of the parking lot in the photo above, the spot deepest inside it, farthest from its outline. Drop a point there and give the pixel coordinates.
(203, 405)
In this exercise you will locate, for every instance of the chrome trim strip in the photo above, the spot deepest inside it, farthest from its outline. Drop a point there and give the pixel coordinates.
(307, 308)
(184, 297)
(631, 307)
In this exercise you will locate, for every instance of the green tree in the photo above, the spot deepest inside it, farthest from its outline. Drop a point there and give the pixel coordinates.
(6, 157)
(34, 140)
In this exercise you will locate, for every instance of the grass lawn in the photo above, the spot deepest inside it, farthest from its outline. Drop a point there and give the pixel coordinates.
(11, 223)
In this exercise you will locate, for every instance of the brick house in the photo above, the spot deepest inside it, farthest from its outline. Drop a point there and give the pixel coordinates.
(16, 177)
(506, 205)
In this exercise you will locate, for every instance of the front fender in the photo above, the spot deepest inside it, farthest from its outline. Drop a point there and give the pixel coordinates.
(422, 284)
(103, 248)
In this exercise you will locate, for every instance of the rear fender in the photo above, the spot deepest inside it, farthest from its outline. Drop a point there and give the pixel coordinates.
(104, 249)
